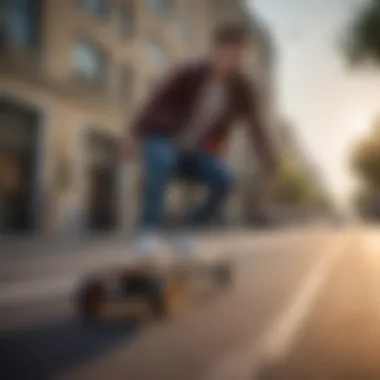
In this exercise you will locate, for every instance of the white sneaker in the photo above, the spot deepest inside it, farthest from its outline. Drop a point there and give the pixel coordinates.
(185, 245)
(147, 245)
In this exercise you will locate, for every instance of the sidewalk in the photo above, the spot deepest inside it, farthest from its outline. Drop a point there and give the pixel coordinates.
(16, 248)
(30, 252)
(30, 258)
(19, 248)
(22, 247)
(39, 269)
(27, 259)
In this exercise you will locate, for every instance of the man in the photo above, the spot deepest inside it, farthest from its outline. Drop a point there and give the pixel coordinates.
(183, 126)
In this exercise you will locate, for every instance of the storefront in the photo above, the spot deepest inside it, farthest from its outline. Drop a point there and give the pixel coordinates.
(101, 168)
(19, 127)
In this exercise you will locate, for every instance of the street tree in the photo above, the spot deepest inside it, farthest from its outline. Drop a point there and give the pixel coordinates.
(365, 161)
(362, 40)
(297, 188)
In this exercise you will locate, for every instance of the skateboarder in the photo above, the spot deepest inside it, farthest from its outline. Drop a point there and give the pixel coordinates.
(181, 130)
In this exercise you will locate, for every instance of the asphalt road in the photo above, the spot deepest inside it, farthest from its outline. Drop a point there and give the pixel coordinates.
(304, 305)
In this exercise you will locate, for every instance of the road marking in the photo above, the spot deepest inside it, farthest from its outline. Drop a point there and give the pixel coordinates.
(276, 341)
(370, 256)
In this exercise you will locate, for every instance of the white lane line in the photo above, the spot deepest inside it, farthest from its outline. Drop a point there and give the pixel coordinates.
(276, 341)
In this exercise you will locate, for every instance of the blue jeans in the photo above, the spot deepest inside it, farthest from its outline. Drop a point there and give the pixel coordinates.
(162, 163)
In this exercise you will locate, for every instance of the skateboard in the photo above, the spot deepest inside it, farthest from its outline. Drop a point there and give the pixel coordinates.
(148, 290)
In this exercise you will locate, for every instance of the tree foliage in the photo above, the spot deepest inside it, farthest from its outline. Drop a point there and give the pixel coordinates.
(298, 189)
(366, 161)
(362, 42)
(367, 203)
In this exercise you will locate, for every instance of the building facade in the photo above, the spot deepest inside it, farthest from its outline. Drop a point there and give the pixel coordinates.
(71, 75)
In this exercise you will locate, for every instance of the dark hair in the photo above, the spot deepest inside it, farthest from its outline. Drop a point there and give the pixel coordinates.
(230, 34)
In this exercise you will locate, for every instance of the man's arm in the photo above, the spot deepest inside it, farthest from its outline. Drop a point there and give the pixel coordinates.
(165, 88)
(258, 130)
(147, 111)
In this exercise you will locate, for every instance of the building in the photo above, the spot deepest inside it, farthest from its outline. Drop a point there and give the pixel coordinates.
(71, 74)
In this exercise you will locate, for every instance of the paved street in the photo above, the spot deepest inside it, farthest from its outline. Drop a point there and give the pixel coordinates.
(304, 305)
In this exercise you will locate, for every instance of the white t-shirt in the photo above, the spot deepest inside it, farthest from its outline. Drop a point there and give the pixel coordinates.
(208, 108)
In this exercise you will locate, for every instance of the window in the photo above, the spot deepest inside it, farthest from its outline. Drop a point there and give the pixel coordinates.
(98, 8)
(126, 84)
(126, 21)
(90, 63)
(20, 23)
(157, 54)
(159, 6)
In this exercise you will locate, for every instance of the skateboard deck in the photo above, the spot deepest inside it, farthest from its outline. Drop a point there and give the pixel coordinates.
(148, 289)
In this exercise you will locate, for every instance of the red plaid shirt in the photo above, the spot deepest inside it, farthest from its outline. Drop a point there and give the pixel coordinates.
(169, 107)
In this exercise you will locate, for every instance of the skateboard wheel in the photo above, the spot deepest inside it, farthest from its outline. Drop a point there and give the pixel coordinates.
(166, 297)
(91, 299)
(145, 288)
(174, 295)
(156, 296)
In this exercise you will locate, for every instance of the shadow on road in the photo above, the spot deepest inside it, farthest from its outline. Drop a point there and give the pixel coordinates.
(50, 350)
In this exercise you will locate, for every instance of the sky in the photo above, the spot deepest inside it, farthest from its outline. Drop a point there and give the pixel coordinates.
(329, 104)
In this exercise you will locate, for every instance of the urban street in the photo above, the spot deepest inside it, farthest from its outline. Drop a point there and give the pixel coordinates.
(117, 117)
(304, 304)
